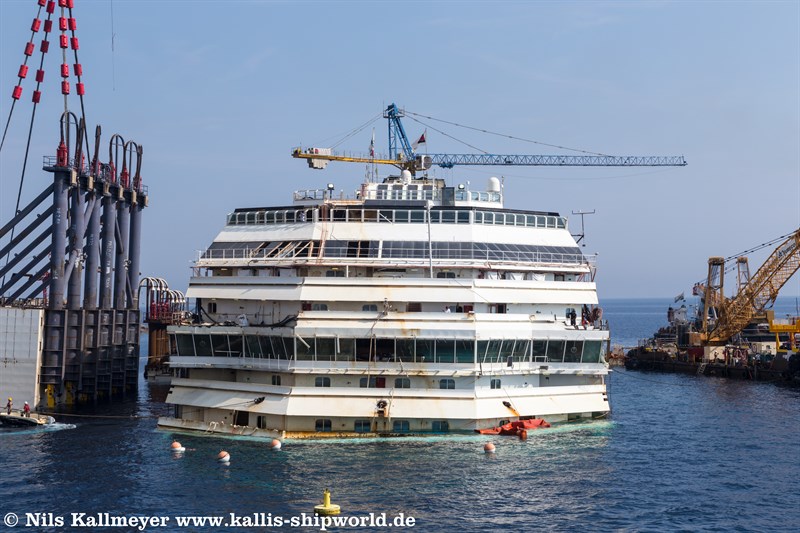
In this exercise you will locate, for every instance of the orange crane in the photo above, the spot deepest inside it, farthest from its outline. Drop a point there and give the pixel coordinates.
(753, 297)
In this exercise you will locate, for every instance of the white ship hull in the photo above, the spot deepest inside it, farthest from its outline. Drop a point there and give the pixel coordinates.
(346, 318)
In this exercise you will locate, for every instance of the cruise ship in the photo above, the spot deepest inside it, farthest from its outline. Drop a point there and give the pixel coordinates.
(408, 307)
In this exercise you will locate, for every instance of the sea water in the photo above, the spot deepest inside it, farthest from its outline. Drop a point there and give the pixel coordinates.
(679, 453)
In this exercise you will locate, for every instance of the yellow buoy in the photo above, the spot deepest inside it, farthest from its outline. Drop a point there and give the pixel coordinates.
(327, 508)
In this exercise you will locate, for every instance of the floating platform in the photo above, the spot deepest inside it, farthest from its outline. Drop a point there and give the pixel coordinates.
(778, 370)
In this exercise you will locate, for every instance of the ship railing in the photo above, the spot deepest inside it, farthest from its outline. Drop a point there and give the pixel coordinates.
(405, 253)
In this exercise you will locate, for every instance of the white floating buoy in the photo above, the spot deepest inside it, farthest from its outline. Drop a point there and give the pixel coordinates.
(176, 447)
(275, 445)
(488, 447)
(223, 457)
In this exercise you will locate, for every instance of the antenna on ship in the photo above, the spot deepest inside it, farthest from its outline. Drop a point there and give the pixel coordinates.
(579, 237)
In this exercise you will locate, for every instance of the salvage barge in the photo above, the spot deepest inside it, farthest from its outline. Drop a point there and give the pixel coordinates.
(731, 337)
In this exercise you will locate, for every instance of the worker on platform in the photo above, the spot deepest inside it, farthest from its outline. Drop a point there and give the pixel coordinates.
(26, 410)
(8, 406)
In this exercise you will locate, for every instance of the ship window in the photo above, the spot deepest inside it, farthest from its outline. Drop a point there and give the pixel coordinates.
(448, 217)
(463, 217)
(555, 351)
(202, 345)
(446, 275)
(319, 307)
(417, 216)
(591, 352)
(445, 350)
(465, 351)
(414, 307)
(447, 383)
(372, 383)
(261, 422)
(326, 348)
(539, 349)
(235, 345)
(440, 426)
(497, 308)
(279, 348)
(220, 344)
(345, 349)
(184, 342)
(362, 426)
(404, 350)
(339, 215)
(322, 424)
(401, 216)
(402, 383)
(334, 273)
(425, 350)
(369, 307)
(212, 307)
(322, 381)
(573, 351)
(400, 426)
(276, 380)
(521, 350)
(494, 384)
(305, 349)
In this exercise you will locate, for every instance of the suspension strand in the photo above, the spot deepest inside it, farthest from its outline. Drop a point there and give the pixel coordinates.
(23, 69)
(48, 25)
(77, 68)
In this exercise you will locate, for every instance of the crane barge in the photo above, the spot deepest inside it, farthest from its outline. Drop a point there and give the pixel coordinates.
(727, 337)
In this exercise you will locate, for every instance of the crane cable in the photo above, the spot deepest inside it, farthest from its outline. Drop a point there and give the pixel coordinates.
(351, 133)
(504, 135)
(43, 49)
(447, 135)
(761, 246)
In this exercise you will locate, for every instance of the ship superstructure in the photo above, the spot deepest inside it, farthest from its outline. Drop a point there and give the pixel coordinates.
(411, 307)
(408, 307)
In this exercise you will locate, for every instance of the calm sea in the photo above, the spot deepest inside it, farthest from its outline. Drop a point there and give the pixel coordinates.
(680, 453)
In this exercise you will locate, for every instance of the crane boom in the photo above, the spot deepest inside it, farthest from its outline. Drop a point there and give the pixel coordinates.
(760, 292)
(450, 160)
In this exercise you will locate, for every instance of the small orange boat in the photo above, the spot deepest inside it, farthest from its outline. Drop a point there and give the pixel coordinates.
(516, 427)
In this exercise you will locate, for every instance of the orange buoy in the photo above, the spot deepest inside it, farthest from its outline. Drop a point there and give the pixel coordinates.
(223, 457)
(275, 445)
(176, 447)
(523, 435)
(488, 447)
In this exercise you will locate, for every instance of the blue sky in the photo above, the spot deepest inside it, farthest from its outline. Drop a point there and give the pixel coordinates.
(218, 93)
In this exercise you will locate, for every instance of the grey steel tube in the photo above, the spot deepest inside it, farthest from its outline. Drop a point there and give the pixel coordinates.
(92, 255)
(58, 250)
(76, 250)
(121, 257)
(107, 257)
(134, 253)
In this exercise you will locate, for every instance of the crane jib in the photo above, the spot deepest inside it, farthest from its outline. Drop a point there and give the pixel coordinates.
(450, 160)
